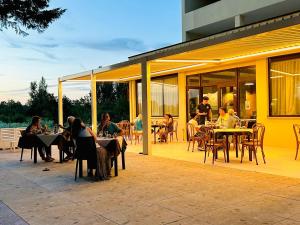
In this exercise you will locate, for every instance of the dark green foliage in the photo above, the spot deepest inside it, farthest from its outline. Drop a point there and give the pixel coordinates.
(112, 98)
(28, 14)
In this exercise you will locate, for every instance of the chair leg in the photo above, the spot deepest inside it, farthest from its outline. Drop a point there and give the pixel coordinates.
(80, 168)
(31, 153)
(205, 151)
(214, 155)
(254, 153)
(242, 153)
(193, 145)
(297, 151)
(263, 154)
(76, 169)
(116, 166)
(176, 136)
(21, 159)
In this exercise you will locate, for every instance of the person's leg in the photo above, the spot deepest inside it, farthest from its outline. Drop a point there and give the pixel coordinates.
(41, 152)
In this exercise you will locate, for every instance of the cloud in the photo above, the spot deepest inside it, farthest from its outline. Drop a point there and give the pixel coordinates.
(15, 91)
(117, 44)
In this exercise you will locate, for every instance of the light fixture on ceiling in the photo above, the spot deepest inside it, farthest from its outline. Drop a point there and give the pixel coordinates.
(187, 60)
(249, 84)
(178, 69)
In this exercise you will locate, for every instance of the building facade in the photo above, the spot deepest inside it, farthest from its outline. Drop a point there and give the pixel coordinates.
(201, 18)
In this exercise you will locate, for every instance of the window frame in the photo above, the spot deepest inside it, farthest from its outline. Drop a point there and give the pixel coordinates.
(277, 59)
(175, 75)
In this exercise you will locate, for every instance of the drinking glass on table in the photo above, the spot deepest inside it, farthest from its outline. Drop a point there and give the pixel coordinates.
(105, 133)
(101, 133)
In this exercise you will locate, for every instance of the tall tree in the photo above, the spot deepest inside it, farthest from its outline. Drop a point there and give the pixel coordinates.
(28, 14)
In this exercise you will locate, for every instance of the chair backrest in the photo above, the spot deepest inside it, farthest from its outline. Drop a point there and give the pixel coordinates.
(258, 133)
(190, 130)
(85, 148)
(296, 128)
(175, 125)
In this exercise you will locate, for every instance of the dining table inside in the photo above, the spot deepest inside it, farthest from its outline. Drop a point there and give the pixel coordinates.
(235, 132)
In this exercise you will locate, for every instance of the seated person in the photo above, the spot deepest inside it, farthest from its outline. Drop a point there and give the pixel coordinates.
(222, 121)
(79, 130)
(233, 119)
(33, 129)
(138, 127)
(198, 131)
(106, 126)
(66, 142)
(168, 123)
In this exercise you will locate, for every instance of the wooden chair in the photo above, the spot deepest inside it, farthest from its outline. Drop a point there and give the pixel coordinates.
(254, 142)
(296, 128)
(125, 126)
(25, 143)
(213, 144)
(174, 131)
(191, 135)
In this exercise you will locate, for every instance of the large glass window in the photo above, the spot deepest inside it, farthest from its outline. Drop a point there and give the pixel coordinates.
(234, 88)
(164, 96)
(284, 81)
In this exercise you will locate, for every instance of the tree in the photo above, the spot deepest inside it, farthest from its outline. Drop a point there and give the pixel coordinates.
(30, 14)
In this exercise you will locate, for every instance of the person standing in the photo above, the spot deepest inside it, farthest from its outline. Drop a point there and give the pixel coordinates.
(204, 111)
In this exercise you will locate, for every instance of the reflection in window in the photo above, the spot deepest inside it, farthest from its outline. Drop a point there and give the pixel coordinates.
(247, 92)
(285, 86)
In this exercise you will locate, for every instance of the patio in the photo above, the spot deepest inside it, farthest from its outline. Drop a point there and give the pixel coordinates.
(152, 190)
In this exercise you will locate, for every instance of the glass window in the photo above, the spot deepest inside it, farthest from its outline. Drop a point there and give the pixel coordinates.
(164, 96)
(171, 96)
(157, 101)
(284, 83)
(247, 92)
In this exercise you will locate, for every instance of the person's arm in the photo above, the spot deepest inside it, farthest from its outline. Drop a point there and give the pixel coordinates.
(92, 133)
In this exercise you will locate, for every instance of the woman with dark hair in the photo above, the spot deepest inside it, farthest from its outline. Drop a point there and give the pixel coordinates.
(85, 144)
(31, 131)
(168, 123)
(107, 126)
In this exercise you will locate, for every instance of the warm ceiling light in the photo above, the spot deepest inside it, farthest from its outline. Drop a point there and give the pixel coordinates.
(249, 84)
(276, 77)
(261, 53)
(281, 72)
(130, 78)
(187, 60)
(178, 68)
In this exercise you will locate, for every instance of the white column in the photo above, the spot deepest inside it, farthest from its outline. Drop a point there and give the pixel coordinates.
(60, 103)
(94, 102)
(146, 107)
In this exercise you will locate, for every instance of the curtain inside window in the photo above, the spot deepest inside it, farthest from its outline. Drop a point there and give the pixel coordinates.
(157, 97)
(171, 96)
(285, 85)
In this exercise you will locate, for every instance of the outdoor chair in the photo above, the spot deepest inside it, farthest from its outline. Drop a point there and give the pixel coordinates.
(85, 150)
(125, 126)
(191, 136)
(25, 142)
(213, 144)
(174, 131)
(255, 141)
(296, 128)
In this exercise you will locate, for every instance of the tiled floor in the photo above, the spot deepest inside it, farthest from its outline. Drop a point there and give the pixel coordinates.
(279, 161)
(152, 190)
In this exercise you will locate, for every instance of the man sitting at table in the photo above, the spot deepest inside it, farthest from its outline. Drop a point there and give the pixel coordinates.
(66, 141)
(31, 131)
(222, 121)
(108, 127)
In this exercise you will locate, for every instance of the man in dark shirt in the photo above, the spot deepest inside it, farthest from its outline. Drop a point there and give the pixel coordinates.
(204, 111)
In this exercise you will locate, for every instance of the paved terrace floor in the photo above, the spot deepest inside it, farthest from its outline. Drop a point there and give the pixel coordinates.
(152, 190)
(280, 161)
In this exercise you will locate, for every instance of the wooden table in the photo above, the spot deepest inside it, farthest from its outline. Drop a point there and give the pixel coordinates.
(232, 131)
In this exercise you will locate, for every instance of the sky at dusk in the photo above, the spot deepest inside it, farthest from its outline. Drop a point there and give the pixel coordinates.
(90, 34)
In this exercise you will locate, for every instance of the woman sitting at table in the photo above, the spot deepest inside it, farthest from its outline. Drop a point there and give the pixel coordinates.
(30, 133)
(198, 131)
(138, 127)
(168, 123)
(79, 130)
(108, 127)
(233, 119)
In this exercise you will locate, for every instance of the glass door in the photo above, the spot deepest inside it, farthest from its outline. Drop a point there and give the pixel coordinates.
(212, 93)
(193, 95)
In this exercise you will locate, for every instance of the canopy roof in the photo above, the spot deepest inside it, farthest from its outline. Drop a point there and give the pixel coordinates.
(241, 44)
